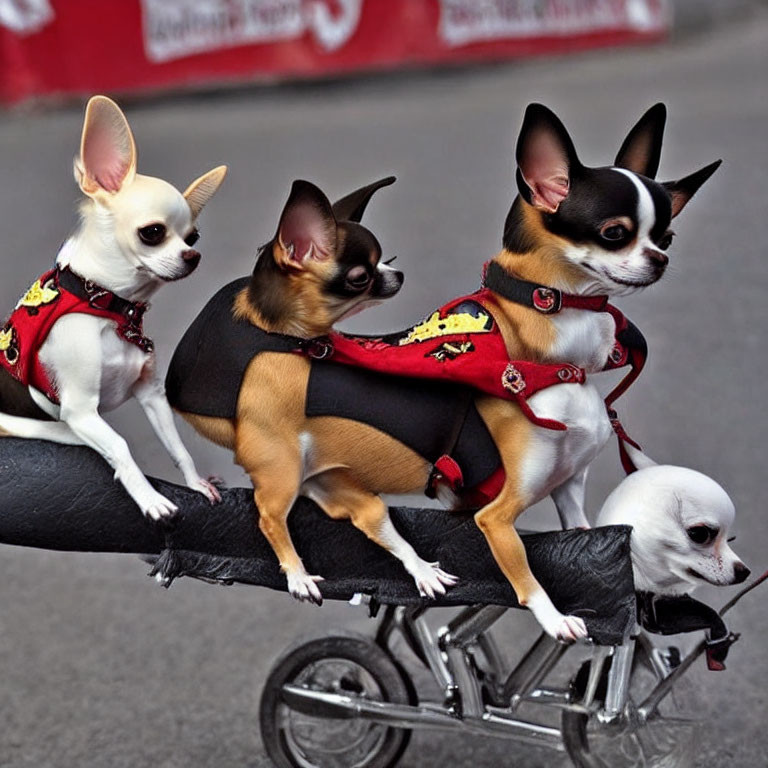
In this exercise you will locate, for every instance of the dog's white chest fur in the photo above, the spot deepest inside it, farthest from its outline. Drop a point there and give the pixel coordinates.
(583, 338)
(93, 345)
(554, 456)
(122, 366)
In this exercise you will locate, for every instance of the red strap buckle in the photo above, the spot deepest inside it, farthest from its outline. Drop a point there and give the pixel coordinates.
(448, 472)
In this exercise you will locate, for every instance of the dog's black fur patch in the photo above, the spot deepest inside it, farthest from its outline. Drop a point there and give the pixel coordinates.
(595, 196)
(15, 399)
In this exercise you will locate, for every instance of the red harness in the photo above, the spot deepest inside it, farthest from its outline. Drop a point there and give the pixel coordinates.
(464, 345)
(450, 346)
(57, 293)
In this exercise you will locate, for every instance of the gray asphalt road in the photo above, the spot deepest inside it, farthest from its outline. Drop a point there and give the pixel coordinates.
(99, 666)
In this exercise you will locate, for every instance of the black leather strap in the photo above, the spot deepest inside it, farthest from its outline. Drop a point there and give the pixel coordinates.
(542, 298)
(498, 280)
(100, 297)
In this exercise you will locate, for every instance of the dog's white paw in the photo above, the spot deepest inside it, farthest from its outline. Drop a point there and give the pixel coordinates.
(207, 488)
(572, 629)
(304, 588)
(431, 580)
(156, 507)
(566, 629)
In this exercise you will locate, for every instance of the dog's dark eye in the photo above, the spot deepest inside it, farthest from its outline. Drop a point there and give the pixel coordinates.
(702, 534)
(192, 237)
(666, 240)
(614, 233)
(153, 234)
(358, 278)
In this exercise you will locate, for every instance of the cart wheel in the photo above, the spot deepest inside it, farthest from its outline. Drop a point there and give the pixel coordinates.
(349, 664)
(663, 740)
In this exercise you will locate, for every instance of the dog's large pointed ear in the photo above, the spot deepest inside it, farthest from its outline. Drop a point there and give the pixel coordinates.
(201, 190)
(683, 190)
(641, 150)
(107, 160)
(351, 207)
(307, 227)
(546, 159)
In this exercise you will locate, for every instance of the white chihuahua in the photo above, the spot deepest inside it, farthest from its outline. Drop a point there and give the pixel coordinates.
(680, 520)
(74, 347)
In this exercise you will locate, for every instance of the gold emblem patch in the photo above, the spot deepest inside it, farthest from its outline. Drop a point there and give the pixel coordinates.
(38, 295)
(449, 351)
(9, 345)
(435, 326)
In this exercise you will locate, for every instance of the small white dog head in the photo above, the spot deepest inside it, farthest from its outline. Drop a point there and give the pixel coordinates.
(139, 228)
(680, 521)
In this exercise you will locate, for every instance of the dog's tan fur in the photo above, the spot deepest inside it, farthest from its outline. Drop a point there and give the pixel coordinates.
(352, 463)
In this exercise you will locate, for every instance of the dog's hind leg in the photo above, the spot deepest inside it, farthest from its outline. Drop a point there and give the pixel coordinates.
(340, 497)
(55, 431)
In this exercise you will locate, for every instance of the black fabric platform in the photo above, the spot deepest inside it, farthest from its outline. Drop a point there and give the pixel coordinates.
(64, 498)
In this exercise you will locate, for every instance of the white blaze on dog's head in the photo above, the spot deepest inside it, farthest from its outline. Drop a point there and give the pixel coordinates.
(137, 231)
(609, 225)
(680, 521)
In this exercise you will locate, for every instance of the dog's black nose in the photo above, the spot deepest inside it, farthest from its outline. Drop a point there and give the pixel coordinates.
(191, 258)
(740, 573)
(659, 258)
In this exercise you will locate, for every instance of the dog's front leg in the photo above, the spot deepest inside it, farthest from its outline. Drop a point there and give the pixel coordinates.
(497, 522)
(75, 355)
(515, 438)
(569, 500)
(275, 466)
(85, 422)
(151, 395)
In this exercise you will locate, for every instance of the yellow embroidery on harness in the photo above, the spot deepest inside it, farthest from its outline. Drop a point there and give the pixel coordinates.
(6, 337)
(435, 326)
(38, 294)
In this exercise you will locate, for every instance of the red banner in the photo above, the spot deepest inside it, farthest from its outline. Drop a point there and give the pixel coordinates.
(50, 47)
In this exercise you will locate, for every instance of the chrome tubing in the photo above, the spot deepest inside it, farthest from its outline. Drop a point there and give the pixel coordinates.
(472, 622)
(618, 681)
(537, 663)
(468, 684)
(430, 647)
(342, 706)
